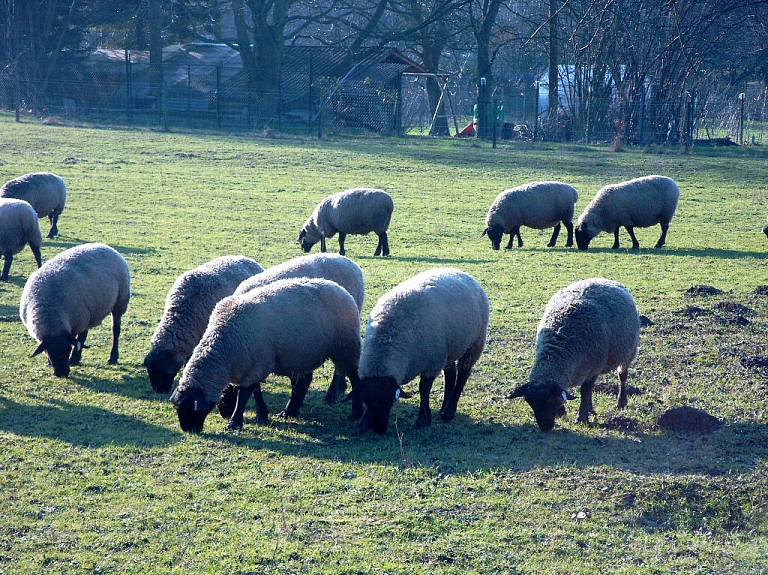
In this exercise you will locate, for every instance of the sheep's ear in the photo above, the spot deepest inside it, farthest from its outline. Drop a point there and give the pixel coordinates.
(519, 392)
(302, 233)
(485, 232)
(40, 348)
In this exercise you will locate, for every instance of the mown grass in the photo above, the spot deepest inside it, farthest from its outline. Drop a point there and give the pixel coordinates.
(97, 477)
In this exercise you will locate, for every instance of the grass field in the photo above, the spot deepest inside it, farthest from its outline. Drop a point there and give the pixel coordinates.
(96, 476)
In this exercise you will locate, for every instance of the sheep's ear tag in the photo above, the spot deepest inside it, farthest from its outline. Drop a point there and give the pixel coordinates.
(567, 396)
(196, 404)
(398, 391)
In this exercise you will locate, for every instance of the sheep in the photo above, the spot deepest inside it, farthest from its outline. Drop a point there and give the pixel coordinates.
(642, 202)
(429, 323)
(187, 308)
(288, 327)
(71, 293)
(18, 227)
(332, 267)
(354, 211)
(537, 205)
(45, 192)
(589, 328)
(765, 228)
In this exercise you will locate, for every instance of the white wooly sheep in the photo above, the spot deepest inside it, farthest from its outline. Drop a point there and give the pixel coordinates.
(641, 203)
(332, 267)
(354, 211)
(45, 192)
(538, 205)
(425, 325)
(187, 308)
(288, 327)
(589, 328)
(72, 293)
(18, 227)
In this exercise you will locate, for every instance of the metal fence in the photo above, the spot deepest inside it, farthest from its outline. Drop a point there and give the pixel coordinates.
(372, 100)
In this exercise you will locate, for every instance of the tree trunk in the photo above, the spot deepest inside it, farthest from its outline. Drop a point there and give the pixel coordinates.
(554, 97)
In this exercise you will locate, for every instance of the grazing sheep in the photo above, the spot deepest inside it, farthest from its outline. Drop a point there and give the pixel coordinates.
(537, 205)
(45, 192)
(18, 227)
(355, 211)
(71, 293)
(332, 267)
(187, 308)
(642, 202)
(589, 328)
(423, 326)
(288, 327)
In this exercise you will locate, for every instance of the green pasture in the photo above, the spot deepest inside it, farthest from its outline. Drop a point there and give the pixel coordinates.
(96, 476)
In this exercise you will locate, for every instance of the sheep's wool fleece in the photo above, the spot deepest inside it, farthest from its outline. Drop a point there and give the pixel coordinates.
(354, 211)
(588, 328)
(46, 192)
(75, 290)
(537, 205)
(18, 225)
(423, 323)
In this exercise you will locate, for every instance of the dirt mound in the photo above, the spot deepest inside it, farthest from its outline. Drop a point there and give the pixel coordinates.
(689, 420)
(693, 311)
(761, 290)
(703, 290)
(733, 307)
(619, 422)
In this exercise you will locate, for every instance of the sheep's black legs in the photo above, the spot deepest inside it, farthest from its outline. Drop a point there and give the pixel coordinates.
(555, 233)
(322, 244)
(7, 265)
(615, 245)
(113, 354)
(514, 233)
(449, 410)
(585, 407)
(299, 387)
(54, 219)
(262, 413)
(338, 384)
(342, 237)
(569, 228)
(631, 232)
(425, 413)
(243, 395)
(450, 383)
(663, 237)
(36, 253)
(622, 401)
(383, 246)
(77, 352)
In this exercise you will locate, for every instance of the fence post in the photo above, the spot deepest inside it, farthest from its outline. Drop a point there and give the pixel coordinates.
(536, 111)
(641, 119)
(189, 95)
(18, 97)
(309, 103)
(218, 95)
(128, 86)
(742, 97)
(494, 115)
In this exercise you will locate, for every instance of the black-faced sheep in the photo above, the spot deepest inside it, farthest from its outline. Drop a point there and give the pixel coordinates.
(18, 227)
(589, 328)
(289, 328)
(44, 191)
(331, 267)
(187, 308)
(355, 211)
(435, 321)
(537, 205)
(765, 229)
(70, 294)
(641, 203)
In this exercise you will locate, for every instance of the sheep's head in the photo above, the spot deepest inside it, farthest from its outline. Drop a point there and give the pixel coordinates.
(379, 395)
(495, 234)
(191, 407)
(308, 237)
(765, 231)
(584, 234)
(162, 368)
(58, 350)
(546, 399)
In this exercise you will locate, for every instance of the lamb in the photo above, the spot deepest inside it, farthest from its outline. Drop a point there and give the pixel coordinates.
(45, 192)
(288, 327)
(18, 227)
(432, 322)
(354, 211)
(71, 293)
(589, 328)
(537, 205)
(332, 267)
(187, 308)
(642, 202)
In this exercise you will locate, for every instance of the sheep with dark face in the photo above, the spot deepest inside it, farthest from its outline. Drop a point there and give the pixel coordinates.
(332, 267)
(354, 211)
(435, 321)
(45, 192)
(188, 306)
(18, 227)
(589, 328)
(638, 203)
(70, 294)
(765, 229)
(538, 205)
(288, 327)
